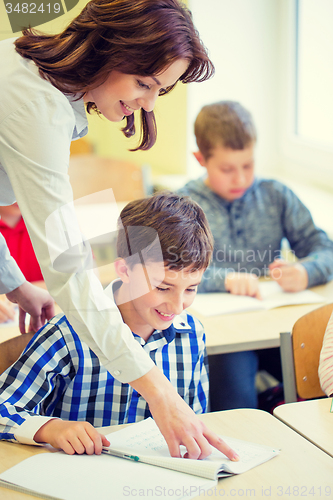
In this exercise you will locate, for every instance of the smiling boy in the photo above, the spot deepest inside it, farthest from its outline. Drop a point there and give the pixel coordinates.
(58, 391)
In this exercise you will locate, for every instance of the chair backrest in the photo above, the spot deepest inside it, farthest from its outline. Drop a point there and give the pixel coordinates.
(307, 339)
(11, 349)
(90, 174)
(81, 147)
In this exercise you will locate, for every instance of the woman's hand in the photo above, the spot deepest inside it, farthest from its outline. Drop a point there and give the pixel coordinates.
(176, 420)
(34, 301)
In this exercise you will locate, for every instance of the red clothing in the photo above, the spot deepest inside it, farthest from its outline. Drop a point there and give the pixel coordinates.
(20, 247)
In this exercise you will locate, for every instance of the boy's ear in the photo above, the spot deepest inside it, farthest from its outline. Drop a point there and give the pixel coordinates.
(200, 158)
(121, 269)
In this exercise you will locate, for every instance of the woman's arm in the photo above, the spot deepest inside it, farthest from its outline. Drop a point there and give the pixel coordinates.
(176, 420)
(37, 166)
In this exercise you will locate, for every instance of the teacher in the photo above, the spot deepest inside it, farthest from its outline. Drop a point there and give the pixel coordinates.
(116, 58)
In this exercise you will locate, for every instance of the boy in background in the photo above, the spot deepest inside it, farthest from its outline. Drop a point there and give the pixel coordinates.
(14, 231)
(248, 217)
(164, 245)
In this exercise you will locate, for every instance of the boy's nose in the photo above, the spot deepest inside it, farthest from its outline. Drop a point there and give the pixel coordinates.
(176, 305)
(240, 177)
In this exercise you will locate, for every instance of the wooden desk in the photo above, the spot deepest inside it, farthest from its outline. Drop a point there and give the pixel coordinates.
(8, 332)
(12, 330)
(311, 419)
(257, 329)
(301, 469)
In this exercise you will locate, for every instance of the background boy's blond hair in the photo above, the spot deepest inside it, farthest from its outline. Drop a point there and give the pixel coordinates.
(225, 123)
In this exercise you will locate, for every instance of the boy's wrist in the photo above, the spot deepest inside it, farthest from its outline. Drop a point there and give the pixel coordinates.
(42, 435)
(26, 432)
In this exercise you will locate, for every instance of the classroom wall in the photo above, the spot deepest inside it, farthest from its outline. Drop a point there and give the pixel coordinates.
(242, 38)
(169, 153)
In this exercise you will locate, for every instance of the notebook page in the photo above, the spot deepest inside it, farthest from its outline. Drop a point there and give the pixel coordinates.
(87, 477)
(274, 296)
(145, 440)
(210, 304)
(251, 455)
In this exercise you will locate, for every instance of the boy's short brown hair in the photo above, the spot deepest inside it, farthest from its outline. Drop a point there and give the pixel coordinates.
(185, 239)
(224, 123)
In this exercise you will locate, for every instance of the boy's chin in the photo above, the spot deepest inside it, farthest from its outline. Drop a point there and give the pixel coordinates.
(162, 325)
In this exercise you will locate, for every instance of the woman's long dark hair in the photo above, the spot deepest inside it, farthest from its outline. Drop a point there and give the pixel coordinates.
(137, 37)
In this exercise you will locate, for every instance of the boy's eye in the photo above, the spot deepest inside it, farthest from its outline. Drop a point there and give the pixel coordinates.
(191, 289)
(162, 289)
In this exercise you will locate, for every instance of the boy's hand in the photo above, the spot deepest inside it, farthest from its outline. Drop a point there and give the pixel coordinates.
(292, 277)
(243, 284)
(7, 310)
(72, 437)
(176, 420)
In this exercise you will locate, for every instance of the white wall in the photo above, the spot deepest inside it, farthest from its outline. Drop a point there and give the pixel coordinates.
(242, 39)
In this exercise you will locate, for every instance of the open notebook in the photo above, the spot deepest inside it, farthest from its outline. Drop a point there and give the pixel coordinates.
(82, 477)
(210, 304)
(146, 441)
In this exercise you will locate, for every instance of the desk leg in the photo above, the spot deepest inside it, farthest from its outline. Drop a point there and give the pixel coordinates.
(288, 367)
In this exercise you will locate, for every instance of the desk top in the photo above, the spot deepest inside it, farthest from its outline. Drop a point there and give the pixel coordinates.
(312, 419)
(8, 331)
(256, 329)
(301, 469)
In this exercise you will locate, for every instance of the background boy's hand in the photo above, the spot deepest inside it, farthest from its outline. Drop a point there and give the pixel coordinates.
(243, 284)
(292, 277)
(72, 437)
(7, 309)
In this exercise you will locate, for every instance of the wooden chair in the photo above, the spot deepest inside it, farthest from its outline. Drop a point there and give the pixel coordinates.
(90, 174)
(81, 147)
(300, 351)
(11, 349)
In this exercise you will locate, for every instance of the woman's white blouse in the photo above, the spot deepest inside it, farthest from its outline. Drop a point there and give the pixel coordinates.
(37, 125)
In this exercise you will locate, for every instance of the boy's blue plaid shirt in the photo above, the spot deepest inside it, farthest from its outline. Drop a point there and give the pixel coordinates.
(59, 376)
